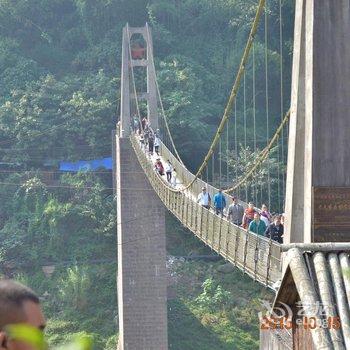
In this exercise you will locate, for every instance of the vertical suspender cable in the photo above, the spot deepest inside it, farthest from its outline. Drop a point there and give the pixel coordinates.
(213, 168)
(279, 157)
(227, 153)
(207, 173)
(236, 144)
(245, 129)
(267, 104)
(282, 96)
(171, 140)
(220, 163)
(133, 75)
(254, 119)
(279, 176)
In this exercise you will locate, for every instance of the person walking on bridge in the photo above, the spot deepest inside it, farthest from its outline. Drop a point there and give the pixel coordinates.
(136, 124)
(168, 170)
(257, 225)
(158, 167)
(275, 230)
(144, 123)
(204, 199)
(219, 203)
(248, 215)
(146, 133)
(156, 143)
(235, 212)
(173, 180)
(265, 219)
(265, 213)
(150, 142)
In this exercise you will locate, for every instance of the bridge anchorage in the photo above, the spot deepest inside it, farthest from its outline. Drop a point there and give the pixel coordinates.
(310, 271)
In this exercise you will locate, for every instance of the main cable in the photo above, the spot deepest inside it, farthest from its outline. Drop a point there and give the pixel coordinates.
(232, 97)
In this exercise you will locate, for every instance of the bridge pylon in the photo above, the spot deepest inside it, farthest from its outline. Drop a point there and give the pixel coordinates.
(143, 61)
(318, 171)
(142, 279)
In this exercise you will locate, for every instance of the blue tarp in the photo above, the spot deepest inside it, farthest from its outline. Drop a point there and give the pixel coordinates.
(87, 165)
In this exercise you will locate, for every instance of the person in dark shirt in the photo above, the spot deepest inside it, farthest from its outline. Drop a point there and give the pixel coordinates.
(275, 230)
(150, 143)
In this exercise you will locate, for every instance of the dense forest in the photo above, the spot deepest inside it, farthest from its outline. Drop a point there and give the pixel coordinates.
(59, 100)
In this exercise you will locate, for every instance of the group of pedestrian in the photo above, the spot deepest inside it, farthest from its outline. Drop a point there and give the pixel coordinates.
(167, 170)
(151, 142)
(257, 221)
(148, 138)
(263, 223)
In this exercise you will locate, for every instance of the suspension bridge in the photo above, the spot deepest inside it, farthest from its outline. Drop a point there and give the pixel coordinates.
(311, 266)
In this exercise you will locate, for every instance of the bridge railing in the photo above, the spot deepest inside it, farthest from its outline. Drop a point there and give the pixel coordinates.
(186, 176)
(256, 255)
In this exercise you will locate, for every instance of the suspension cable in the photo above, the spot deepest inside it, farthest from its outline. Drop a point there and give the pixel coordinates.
(254, 116)
(160, 100)
(220, 162)
(245, 128)
(207, 173)
(213, 169)
(267, 103)
(262, 156)
(282, 92)
(227, 152)
(231, 99)
(234, 89)
(236, 142)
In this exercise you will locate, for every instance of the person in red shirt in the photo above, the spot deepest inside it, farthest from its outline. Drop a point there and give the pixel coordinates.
(248, 216)
(158, 166)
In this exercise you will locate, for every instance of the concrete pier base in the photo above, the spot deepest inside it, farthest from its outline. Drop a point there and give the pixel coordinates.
(142, 283)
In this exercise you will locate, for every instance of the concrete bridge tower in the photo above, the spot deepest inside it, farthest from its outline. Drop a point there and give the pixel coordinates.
(141, 277)
(318, 173)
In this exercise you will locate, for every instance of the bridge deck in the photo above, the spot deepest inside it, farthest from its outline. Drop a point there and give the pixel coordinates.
(255, 255)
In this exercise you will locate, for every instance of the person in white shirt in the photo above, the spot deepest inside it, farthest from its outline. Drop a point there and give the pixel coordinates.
(156, 144)
(173, 179)
(168, 170)
(204, 198)
(265, 220)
